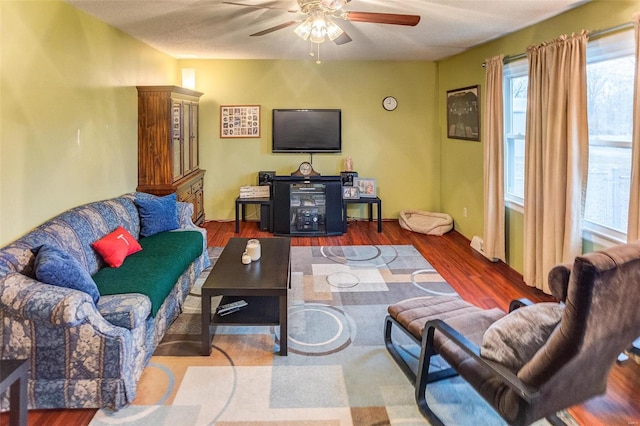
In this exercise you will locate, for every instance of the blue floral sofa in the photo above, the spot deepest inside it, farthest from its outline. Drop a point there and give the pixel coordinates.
(86, 354)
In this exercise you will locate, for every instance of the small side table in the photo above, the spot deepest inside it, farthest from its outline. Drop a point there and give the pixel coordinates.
(14, 374)
(242, 202)
(362, 200)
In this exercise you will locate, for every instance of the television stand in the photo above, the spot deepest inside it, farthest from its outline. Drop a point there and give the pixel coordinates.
(307, 205)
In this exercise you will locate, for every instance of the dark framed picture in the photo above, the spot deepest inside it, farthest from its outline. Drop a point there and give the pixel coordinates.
(366, 187)
(350, 193)
(463, 113)
(347, 178)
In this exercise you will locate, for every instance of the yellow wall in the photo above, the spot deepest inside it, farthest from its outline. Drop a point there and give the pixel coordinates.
(461, 165)
(400, 148)
(69, 118)
(68, 110)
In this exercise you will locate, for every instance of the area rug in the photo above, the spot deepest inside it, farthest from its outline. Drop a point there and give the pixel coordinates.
(337, 372)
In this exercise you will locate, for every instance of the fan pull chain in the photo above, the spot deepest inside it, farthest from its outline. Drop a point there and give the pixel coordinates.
(318, 61)
(311, 49)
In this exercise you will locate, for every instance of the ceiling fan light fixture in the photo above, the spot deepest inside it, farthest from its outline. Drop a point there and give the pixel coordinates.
(333, 4)
(333, 31)
(317, 36)
(304, 30)
(318, 27)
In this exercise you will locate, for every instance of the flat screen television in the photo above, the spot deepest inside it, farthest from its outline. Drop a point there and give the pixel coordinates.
(307, 130)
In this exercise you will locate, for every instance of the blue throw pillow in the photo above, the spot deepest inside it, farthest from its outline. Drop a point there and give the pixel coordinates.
(55, 267)
(157, 214)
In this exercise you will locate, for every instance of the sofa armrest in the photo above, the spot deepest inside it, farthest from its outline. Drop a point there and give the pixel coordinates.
(185, 212)
(129, 310)
(24, 297)
(68, 343)
(33, 300)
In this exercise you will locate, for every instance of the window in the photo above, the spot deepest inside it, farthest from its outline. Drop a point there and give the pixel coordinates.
(515, 107)
(610, 74)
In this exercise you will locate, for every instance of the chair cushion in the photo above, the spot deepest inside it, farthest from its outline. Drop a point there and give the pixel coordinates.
(514, 339)
(116, 246)
(469, 320)
(414, 313)
(55, 267)
(157, 214)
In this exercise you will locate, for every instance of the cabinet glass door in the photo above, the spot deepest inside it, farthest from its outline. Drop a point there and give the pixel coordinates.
(307, 208)
(186, 137)
(176, 139)
(194, 145)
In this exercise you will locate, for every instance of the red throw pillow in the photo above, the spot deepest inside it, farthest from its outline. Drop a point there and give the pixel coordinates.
(116, 246)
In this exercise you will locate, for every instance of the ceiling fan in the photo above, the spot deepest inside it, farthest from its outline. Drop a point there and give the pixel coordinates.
(318, 23)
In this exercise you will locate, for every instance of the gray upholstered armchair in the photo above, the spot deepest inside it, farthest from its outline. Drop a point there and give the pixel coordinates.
(536, 360)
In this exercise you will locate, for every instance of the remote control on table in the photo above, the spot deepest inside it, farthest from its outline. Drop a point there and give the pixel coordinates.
(230, 311)
(231, 306)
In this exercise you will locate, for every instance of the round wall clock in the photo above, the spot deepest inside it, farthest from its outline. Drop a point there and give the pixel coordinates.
(390, 103)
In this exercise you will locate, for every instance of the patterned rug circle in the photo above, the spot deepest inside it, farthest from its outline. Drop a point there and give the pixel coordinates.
(343, 280)
(425, 285)
(363, 254)
(317, 329)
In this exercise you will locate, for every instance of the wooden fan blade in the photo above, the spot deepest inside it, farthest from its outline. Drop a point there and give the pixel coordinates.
(343, 39)
(272, 29)
(382, 18)
(253, 6)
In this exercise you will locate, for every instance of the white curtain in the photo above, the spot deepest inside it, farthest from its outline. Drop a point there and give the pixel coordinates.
(556, 156)
(633, 231)
(493, 131)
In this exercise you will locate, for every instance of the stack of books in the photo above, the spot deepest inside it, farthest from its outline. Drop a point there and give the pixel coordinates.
(255, 191)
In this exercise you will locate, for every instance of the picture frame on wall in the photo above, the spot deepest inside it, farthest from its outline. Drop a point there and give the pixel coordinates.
(239, 121)
(463, 113)
(350, 193)
(366, 187)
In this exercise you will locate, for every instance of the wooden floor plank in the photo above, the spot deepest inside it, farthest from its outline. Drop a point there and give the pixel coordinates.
(475, 278)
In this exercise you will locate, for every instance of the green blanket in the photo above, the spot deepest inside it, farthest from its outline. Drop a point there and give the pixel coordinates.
(155, 270)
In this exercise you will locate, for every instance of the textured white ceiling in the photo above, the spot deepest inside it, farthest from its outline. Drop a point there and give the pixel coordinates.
(209, 29)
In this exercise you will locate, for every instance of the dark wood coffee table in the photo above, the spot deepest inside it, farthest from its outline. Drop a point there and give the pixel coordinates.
(263, 284)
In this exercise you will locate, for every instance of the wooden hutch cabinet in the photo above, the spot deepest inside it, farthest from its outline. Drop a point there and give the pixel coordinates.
(168, 146)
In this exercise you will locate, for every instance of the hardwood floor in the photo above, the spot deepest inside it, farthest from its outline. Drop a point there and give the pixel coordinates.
(477, 280)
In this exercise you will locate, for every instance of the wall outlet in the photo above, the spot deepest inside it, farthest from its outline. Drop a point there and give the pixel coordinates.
(464, 211)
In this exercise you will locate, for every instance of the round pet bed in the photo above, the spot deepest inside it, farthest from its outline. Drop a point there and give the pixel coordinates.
(426, 222)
